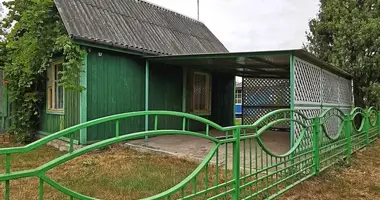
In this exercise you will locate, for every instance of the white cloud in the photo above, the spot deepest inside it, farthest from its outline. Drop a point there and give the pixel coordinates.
(246, 25)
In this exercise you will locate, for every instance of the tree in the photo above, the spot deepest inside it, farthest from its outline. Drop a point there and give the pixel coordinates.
(346, 33)
(36, 35)
(2, 15)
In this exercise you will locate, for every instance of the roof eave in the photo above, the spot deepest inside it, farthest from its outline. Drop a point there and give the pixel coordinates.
(296, 52)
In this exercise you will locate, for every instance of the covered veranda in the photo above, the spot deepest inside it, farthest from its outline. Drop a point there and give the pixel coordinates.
(265, 75)
(271, 80)
(266, 87)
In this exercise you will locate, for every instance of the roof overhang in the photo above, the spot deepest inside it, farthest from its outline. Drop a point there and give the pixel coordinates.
(258, 64)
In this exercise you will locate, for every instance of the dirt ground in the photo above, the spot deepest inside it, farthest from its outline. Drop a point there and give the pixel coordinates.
(358, 181)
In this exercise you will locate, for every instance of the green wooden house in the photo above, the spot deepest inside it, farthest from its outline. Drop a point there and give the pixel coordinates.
(117, 35)
(141, 57)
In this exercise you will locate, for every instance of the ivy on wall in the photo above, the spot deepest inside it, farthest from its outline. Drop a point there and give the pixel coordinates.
(37, 35)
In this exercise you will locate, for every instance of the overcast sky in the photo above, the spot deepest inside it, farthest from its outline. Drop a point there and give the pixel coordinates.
(244, 25)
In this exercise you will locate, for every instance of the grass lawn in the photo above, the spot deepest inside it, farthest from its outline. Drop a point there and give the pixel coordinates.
(119, 173)
(361, 180)
(237, 121)
(114, 173)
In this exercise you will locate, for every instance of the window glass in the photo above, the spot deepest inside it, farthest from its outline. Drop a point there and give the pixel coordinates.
(58, 88)
(54, 90)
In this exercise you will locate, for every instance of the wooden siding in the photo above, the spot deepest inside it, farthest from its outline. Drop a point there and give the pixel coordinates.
(222, 102)
(165, 93)
(51, 123)
(115, 84)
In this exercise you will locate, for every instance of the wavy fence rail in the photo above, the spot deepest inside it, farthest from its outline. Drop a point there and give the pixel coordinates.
(255, 172)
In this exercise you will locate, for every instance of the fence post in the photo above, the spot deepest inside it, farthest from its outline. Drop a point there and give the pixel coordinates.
(378, 122)
(347, 131)
(366, 127)
(236, 164)
(316, 130)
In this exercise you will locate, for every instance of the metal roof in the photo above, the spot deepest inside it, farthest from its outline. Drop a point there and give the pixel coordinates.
(259, 64)
(136, 25)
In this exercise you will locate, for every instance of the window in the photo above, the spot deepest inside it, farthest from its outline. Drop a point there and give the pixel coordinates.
(201, 93)
(54, 90)
(239, 96)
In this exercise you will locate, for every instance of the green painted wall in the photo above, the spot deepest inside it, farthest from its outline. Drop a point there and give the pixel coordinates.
(51, 123)
(115, 84)
(165, 93)
(222, 102)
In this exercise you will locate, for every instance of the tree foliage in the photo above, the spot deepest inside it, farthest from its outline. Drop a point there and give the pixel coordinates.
(36, 38)
(346, 33)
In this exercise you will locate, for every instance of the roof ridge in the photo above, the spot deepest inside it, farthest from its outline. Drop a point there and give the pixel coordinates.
(168, 10)
(167, 27)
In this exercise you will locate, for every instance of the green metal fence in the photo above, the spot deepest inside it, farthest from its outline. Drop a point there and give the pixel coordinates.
(239, 165)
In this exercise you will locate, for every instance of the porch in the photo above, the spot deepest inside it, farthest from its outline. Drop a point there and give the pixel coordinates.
(271, 80)
(266, 87)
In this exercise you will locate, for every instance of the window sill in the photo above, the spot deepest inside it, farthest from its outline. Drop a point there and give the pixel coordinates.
(55, 112)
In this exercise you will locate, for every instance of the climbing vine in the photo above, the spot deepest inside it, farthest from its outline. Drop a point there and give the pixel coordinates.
(37, 36)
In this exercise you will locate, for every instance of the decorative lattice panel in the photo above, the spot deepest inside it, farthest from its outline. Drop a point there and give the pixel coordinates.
(330, 88)
(252, 114)
(345, 91)
(266, 92)
(332, 125)
(316, 90)
(309, 113)
(261, 96)
(306, 82)
(306, 143)
(346, 110)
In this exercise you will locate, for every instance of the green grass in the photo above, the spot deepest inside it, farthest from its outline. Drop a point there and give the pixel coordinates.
(114, 173)
(238, 121)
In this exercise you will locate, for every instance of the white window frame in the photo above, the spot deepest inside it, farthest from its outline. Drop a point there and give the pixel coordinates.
(51, 89)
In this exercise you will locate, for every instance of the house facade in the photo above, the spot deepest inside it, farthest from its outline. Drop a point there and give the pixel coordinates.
(140, 57)
(116, 36)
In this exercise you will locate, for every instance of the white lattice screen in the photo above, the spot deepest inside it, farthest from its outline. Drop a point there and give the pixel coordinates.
(314, 86)
(316, 90)
(261, 96)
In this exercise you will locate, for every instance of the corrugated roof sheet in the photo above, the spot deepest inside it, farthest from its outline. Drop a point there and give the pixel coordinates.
(136, 25)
